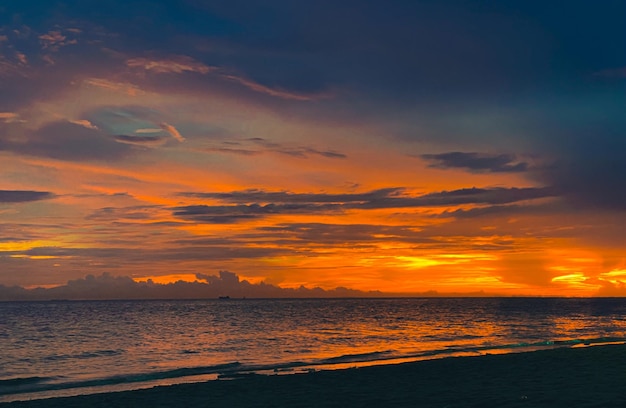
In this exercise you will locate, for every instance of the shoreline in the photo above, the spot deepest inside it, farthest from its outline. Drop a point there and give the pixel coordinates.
(583, 377)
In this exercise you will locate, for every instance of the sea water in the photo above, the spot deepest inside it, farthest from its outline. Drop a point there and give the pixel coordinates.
(79, 347)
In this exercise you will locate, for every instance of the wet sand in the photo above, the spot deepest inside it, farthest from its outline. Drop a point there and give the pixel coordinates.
(564, 377)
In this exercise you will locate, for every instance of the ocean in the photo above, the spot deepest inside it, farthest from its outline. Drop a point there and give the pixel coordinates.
(61, 348)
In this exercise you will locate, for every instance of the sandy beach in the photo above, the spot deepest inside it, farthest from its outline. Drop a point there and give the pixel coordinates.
(564, 377)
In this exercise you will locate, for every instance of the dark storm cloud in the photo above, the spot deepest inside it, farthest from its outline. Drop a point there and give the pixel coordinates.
(22, 196)
(586, 141)
(500, 163)
(595, 183)
(295, 203)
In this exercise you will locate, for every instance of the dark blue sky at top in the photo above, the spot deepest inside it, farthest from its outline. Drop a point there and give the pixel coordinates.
(410, 48)
(546, 78)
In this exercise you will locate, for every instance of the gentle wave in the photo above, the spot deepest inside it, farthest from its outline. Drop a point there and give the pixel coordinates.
(351, 358)
(85, 355)
(37, 384)
(22, 381)
(512, 348)
(236, 369)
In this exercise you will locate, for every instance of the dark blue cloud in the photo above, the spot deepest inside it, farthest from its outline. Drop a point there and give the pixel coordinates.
(496, 163)
(22, 196)
(247, 202)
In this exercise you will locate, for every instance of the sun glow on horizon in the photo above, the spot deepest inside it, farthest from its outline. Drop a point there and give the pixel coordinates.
(167, 279)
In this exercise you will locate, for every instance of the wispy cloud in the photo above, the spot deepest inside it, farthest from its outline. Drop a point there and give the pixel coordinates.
(387, 197)
(122, 87)
(9, 117)
(257, 145)
(175, 64)
(305, 152)
(257, 203)
(55, 39)
(140, 140)
(10, 69)
(228, 150)
(52, 38)
(172, 131)
(235, 213)
(84, 123)
(279, 93)
(148, 130)
(21, 57)
(477, 162)
(180, 64)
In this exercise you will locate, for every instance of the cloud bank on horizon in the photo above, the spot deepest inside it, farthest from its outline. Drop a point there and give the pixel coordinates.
(401, 146)
(226, 285)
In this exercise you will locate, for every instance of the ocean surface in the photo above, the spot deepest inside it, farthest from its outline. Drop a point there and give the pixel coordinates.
(80, 347)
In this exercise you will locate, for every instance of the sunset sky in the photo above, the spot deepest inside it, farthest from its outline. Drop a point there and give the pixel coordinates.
(401, 146)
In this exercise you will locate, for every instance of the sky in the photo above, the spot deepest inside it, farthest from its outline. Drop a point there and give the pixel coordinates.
(446, 146)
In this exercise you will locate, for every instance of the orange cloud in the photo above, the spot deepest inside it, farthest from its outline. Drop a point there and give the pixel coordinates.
(122, 87)
(84, 123)
(52, 37)
(8, 117)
